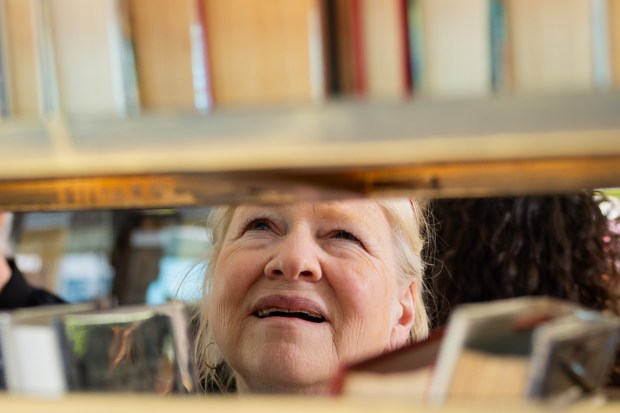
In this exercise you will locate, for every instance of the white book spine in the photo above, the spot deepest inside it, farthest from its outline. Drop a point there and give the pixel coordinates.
(49, 103)
(87, 51)
(37, 357)
(5, 78)
(200, 73)
(601, 65)
(115, 42)
(316, 53)
(457, 46)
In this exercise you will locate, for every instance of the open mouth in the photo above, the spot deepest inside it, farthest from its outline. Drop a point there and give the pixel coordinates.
(285, 312)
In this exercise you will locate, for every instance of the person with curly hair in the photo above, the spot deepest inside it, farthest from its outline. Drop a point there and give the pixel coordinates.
(560, 246)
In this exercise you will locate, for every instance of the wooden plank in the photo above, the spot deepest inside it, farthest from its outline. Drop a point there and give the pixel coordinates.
(156, 404)
(489, 147)
(437, 180)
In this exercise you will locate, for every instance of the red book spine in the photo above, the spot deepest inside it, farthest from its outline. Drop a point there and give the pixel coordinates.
(357, 34)
(406, 46)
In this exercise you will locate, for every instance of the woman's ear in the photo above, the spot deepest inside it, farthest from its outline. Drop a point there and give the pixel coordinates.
(401, 330)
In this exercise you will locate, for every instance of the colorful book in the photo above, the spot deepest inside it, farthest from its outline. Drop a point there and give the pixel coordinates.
(500, 46)
(357, 27)
(416, 43)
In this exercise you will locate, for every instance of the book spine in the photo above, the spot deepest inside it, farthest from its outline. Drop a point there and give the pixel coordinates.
(499, 44)
(129, 77)
(343, 66)
(601, 65)
(333, 61)
(115, 53)
(613, 7)
(5, 99)
(316, 52)
(359, 58)
(47, 79)
(164, 53)
(69, 364)
(39, 363)
(406, 46)
(415, 42)
(203, 97)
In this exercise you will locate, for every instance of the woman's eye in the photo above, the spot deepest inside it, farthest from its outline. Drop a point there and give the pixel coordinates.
(258, 225)
(346, 235)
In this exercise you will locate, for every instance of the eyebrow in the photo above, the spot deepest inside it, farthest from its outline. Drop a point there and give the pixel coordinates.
(340, 211)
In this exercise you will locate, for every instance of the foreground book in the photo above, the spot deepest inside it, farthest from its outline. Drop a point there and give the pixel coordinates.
(510, 350)
(129, 349)
(30, 360)
(49, 351)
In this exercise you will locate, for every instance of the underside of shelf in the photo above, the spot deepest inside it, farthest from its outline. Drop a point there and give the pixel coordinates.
(340, 149)
(203, 189)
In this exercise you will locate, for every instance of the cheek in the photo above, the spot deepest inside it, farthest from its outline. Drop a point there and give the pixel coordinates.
(363, 286)
(366, 301)
(234, 273)
(232, 279)
(370, 303)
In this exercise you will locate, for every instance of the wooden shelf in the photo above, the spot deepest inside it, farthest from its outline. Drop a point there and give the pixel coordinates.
(121, 403)
(338, 149)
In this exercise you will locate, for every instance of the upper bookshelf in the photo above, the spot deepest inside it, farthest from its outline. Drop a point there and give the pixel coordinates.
(157, 103)
(337, 149)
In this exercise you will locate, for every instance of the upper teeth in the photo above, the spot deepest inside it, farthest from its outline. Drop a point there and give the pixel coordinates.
(268, 311)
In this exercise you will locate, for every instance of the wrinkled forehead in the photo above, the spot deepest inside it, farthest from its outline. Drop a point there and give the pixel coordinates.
(355, 210)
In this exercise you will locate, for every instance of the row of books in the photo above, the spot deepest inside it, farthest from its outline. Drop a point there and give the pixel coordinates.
(50, 350)
(124, 57)
(515, 350)
(510, 351)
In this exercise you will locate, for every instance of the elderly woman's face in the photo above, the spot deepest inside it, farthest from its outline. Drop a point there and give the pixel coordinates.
(300, 289)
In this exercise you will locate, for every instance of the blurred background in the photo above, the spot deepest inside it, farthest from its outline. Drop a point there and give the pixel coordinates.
(139, 59)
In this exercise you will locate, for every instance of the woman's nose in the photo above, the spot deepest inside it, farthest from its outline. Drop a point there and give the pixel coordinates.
(296, 258)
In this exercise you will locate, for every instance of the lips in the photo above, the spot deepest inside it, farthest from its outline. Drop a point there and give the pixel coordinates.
(291, 307)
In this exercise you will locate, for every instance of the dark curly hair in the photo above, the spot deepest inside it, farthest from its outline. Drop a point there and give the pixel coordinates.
(560, 246)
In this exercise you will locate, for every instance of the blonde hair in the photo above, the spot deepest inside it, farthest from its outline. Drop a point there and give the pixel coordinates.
(407, 219)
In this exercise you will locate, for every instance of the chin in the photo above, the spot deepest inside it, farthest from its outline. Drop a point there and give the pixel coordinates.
(285, 369)
(279, 385)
